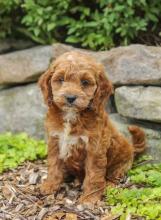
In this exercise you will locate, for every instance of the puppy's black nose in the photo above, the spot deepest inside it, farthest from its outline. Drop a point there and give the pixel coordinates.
(71, 98)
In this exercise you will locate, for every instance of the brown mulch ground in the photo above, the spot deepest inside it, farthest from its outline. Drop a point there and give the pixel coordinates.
(20, 198)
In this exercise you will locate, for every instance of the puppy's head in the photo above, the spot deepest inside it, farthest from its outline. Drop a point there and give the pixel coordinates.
(75, 82)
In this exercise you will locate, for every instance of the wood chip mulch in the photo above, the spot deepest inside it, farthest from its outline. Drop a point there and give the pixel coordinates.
(20, 198)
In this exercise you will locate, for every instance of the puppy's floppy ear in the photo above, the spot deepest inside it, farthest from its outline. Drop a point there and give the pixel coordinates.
(104, 89)
(45, 85)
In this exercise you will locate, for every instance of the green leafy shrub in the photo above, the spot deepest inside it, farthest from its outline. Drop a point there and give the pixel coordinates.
(90, 24)
(9, 17)
(143, 202)
(44, 18)
(143, 198)
(15, 149)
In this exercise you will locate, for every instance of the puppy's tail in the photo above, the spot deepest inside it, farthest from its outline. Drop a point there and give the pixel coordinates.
(138, 138)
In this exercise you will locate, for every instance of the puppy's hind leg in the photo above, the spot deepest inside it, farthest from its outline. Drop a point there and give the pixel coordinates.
(120, 158)
(117, 172)
(123, 153)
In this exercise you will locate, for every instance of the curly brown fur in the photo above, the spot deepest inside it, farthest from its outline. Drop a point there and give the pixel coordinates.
(81, 138)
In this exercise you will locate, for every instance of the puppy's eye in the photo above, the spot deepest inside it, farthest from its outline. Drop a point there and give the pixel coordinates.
(85, 82)
(61, 79)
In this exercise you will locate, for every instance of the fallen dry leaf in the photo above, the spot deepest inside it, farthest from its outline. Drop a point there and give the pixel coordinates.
(56, 216)
(8, 192)
(109, 217)
(71, 216)
(33, 178)
(62, 215)
(42, 213)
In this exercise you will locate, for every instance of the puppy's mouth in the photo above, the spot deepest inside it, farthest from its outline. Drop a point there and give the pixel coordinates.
(67, 107)
(75, 107)
(72, 102)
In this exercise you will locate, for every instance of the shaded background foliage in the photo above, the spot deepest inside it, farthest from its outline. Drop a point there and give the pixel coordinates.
(89, 24)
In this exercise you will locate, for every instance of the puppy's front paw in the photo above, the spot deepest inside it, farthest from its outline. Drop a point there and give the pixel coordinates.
(48, 188)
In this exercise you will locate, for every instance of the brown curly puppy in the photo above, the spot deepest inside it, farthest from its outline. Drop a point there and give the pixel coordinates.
(81, 138)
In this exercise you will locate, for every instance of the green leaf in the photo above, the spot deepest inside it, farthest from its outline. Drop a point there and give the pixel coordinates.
(36, 31)
(51, 26)
(72, 39)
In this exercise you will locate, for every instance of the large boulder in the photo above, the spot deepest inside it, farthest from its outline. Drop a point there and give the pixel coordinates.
(135, 64)
(22, 110)
(139, 102)
(24, 66)
(152, 131)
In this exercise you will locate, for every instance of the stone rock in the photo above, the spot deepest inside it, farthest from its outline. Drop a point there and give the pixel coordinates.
(24, 66)
(134, 64)
(22, 110)
(8, 45)
(110, 106)
(139, 102)
(152, 131)
(59, 49)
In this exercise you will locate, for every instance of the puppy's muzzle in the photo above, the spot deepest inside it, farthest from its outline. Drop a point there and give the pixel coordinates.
(70, 98)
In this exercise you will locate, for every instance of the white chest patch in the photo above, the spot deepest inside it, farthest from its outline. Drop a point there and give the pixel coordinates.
(67, 141)
(70, 116)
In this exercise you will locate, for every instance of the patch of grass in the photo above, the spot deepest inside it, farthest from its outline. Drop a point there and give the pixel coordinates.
(15, 149)
(143, 198)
